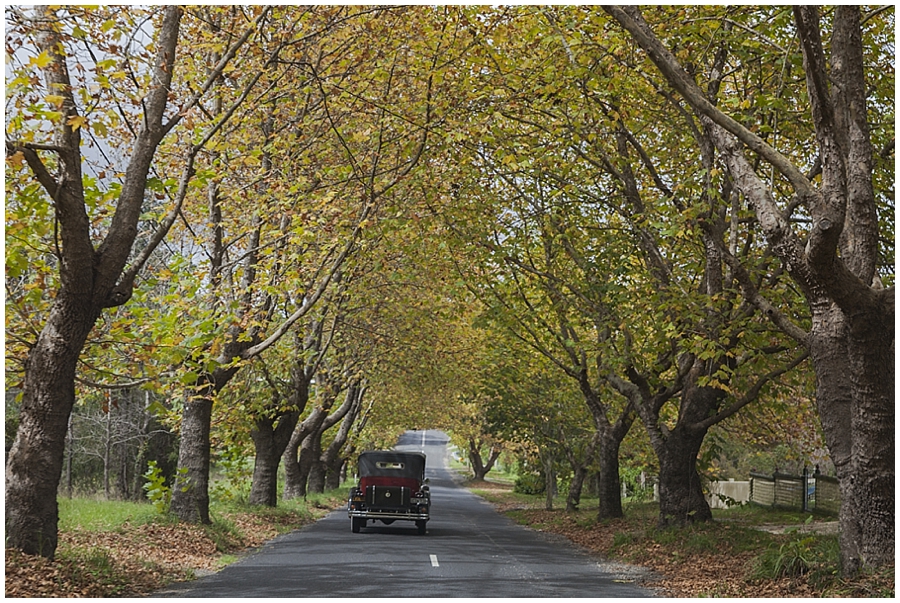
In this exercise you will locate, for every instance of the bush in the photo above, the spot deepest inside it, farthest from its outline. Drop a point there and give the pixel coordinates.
(802, 554)
(158, 492)
(530, 483)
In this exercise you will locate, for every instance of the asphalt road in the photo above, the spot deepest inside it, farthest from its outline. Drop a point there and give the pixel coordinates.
(469, 551)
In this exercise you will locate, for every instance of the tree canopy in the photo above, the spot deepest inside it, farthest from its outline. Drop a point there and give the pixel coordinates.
(582, 235)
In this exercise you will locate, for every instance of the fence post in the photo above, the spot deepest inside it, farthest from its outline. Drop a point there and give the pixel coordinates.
(805, 499)
(816, 474)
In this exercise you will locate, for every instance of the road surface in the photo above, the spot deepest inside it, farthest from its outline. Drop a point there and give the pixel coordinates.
(469, 551)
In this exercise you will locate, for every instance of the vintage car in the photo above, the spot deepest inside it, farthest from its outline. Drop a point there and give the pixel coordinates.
(391, 486)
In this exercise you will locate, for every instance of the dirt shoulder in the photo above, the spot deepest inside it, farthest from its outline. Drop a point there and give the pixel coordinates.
(135, 560)
(715, 559)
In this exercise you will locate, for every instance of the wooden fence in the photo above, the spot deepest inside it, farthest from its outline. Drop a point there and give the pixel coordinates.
(807, 492)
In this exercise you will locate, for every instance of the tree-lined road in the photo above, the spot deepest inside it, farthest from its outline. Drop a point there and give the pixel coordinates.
(469, 551)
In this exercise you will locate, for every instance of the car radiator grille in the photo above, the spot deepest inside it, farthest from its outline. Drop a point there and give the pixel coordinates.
(387, 496)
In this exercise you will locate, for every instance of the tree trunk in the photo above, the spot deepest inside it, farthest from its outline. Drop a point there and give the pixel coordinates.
(480, 468)
(579, 470)
(264, 487)
(292, 469)
(332, 460)
(107, 452)
(122, 492)
(297, 465)
(573, 499)
(308, 436)
(333, 473)
(872, 363)
(35, 461)
(70, 454)
(190, 492)
(297, 461)
(549, 479)
(608, 485)
(270, 443)
(861, 448)
(681, 499)
(316, 481)
(308, 457)
(608, 439)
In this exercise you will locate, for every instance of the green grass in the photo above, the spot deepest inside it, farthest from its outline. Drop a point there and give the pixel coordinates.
(93, 567)
(751, 514)
(92, 514)
(798, 554)
(527, 500)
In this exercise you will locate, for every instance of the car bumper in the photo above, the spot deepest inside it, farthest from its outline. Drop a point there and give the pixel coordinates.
(368, 514)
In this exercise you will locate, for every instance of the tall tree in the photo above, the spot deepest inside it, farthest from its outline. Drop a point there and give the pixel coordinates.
(835, 262)
(92, 251)
(358, 87)
(606, 256)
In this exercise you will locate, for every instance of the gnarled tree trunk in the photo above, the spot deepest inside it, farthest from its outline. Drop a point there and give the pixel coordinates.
(316, 480)
(481, 468)
(609, 486)
(681, 499)
(190, 492)
(300, 454)
(270, 442)
(332, 460)
(35, 461)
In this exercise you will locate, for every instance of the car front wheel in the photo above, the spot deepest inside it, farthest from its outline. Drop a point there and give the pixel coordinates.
(355, 524)
(420, 525)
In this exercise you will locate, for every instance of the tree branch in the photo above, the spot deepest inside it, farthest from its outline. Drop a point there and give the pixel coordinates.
(629, 17)
(751, 395)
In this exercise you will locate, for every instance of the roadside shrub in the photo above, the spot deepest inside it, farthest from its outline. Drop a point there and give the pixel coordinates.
(158, 492)
(630, 477)
(235, 469)
(530, 483)
(621, 539)
(801, 555)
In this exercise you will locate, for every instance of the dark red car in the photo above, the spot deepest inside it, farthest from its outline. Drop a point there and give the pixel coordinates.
(392, 486)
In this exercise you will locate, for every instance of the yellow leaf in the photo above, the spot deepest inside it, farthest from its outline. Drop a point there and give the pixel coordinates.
(42, 60)
(76, 121)
(55, 99)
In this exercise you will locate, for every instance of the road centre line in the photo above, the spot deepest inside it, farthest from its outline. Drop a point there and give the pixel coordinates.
(434, 561)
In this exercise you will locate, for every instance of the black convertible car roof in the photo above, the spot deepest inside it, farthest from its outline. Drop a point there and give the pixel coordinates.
(389, 463)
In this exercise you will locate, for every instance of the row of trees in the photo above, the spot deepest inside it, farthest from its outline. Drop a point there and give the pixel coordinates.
(658, 233)
(536, 227)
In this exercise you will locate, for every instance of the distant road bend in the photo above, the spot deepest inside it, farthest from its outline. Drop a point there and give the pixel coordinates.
(469, 551)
